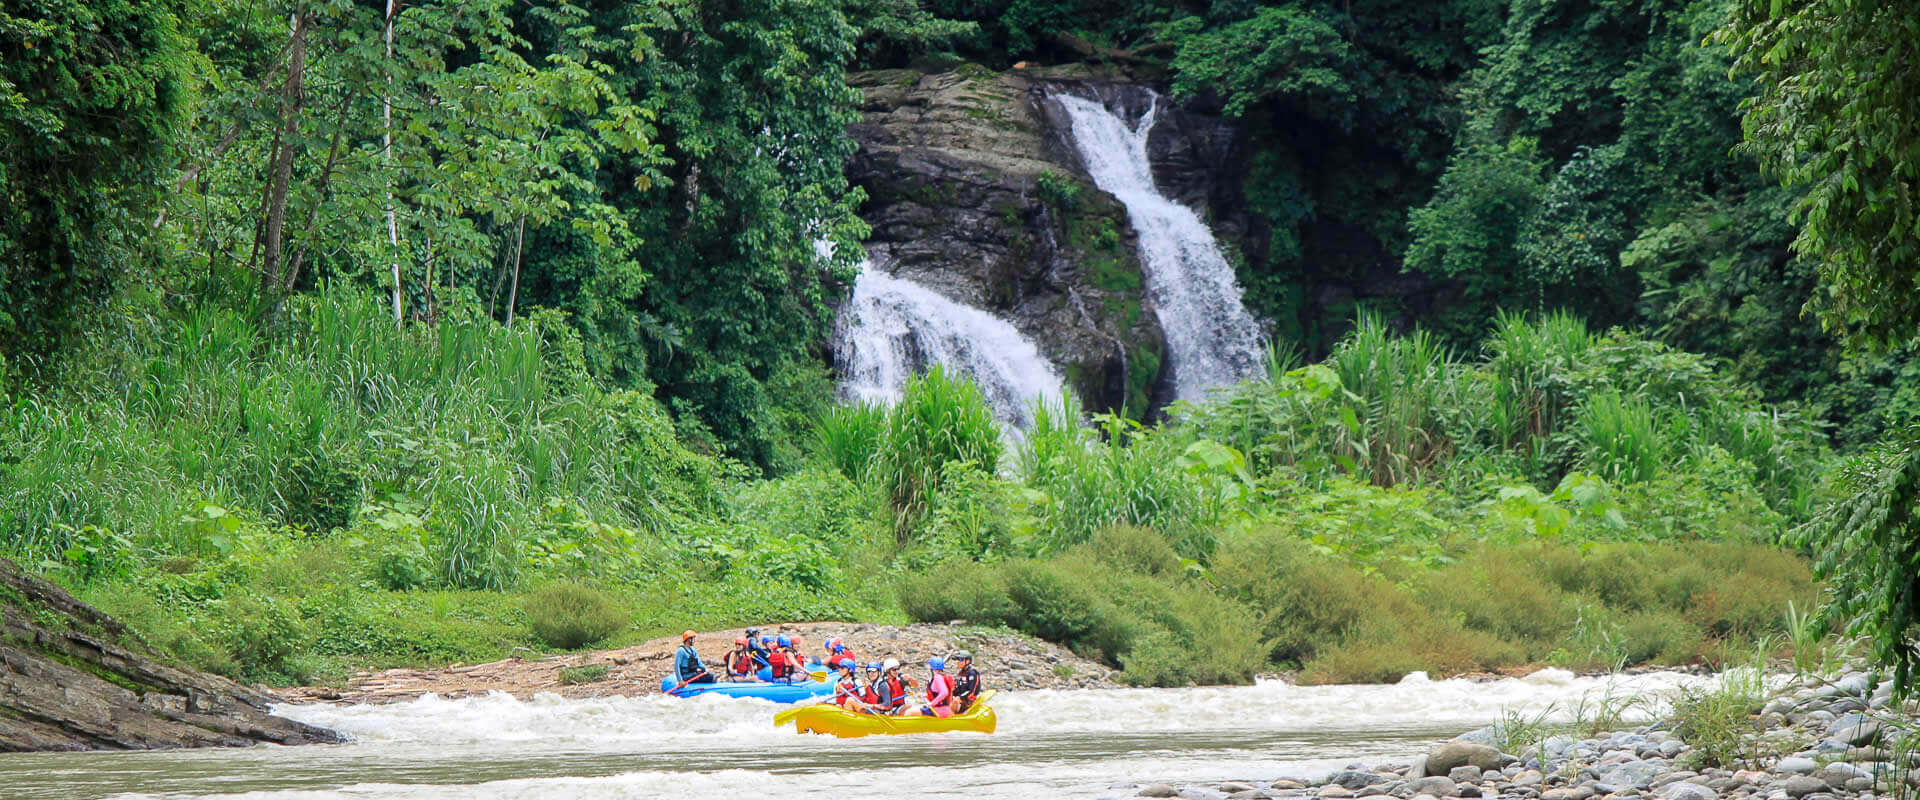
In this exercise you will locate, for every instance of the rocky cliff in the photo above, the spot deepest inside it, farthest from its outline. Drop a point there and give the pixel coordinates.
(72, 678)
(974, 190)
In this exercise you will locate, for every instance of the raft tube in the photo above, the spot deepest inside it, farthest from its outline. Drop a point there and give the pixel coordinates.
(777, 692)
(831, 719)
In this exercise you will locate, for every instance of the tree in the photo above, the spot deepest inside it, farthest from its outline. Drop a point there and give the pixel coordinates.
(92, 96)
(1839, 113)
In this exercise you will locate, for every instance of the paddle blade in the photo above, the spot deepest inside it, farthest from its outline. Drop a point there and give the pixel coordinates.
(785, 717)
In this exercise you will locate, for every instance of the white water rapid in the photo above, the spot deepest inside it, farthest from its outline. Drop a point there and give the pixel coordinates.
(1212, 340)
(892, 328)
(1052, 744)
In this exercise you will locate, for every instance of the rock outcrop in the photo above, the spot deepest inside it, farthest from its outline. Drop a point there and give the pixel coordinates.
(72, 678)
(974, 190)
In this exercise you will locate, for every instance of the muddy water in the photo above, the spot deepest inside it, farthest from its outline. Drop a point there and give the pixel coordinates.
(1050, 744)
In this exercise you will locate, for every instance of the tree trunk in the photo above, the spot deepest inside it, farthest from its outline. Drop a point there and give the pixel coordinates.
(513, 294)
(386, 145)
(292, 100)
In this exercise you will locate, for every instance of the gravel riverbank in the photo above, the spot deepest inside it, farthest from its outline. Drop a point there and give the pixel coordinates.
(1816, 740)
(1010, 661)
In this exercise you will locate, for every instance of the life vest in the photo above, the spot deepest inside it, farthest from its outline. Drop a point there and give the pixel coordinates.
(869, 694)
(779, 665)
(966, 689)
(848, 688)
(739, 662)
(940, 694)
(896, 692)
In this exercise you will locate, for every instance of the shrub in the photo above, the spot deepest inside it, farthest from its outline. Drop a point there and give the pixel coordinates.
(1503, 593)
(263, 637)
(1307, 602)
(568, 616)
(1135, 549)
(1718, 720)
(585, 673)
(1213, 640)
(959, 590)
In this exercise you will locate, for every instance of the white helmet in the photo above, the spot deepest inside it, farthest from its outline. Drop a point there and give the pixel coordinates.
(891, 663)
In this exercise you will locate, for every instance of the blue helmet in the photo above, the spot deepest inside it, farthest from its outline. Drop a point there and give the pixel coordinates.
(936, 663)
(784, 642)
(873, 666)
(766, 640)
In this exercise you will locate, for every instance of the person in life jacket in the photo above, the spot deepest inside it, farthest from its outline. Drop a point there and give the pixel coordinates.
(847, 692)
(740, 662)
(966, 685)
(796, 661)
(757, 645)
(870, 688)
(939, 690)
(796, 655)
(836, 647)
(893, 688)
(687, 665)
(779, 664)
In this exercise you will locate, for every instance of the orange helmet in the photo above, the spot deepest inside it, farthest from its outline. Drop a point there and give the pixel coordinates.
(742, 641)
(686, 636)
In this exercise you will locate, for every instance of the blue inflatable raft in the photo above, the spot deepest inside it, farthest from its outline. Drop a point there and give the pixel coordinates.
(777, 692)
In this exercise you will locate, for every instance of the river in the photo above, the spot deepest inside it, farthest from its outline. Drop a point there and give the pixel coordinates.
(1050, 744)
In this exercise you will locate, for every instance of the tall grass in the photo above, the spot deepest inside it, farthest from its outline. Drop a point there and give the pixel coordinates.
(1548, 397)
(1117, 473)
(305, 424)
(940, 419)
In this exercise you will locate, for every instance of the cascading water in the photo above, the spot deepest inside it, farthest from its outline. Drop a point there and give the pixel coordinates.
(1212, 341)
(893, 327)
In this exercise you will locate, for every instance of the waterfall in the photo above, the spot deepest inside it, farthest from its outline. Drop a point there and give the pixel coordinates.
(893, 327)
(1212, 340)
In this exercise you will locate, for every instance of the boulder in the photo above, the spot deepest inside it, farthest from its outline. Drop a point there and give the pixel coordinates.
(1355, 779)
(72, 678)
(1795, 765)
(1633, 773)
(1436, 786)
(1682, 790)
(1800, 786)
(1567, 793)
(1465, 774)
(1158, 790)
(1447, 755)
(1860, 735)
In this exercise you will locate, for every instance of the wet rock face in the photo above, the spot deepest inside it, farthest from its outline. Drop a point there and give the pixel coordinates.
(72, 678)
(973, 189)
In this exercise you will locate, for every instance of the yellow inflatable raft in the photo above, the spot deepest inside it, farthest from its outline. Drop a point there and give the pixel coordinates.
(829, 718)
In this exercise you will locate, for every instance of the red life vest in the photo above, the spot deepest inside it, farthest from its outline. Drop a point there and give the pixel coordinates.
(940, 688)
(848, 688)
(897, 689)
(869, 694)
(779, 666)
(740, 662)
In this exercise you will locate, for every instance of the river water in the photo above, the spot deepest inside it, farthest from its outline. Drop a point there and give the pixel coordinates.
(1050, 744)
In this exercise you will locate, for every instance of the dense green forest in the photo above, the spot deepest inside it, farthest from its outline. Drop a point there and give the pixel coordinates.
(341, 333)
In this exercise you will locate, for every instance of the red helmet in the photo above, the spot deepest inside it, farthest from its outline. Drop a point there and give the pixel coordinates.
(742, 641)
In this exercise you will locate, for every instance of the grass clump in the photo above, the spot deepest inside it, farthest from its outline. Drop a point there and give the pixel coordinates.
(1717, 721)
(569, 616)
(585, 673)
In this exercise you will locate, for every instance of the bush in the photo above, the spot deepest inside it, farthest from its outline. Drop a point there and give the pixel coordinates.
(1214, 640)
(959, 590)
(568, 616)
(1500, 591)
(263, 637)
(1307, 602)
(1135, 549)
(586, 673)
